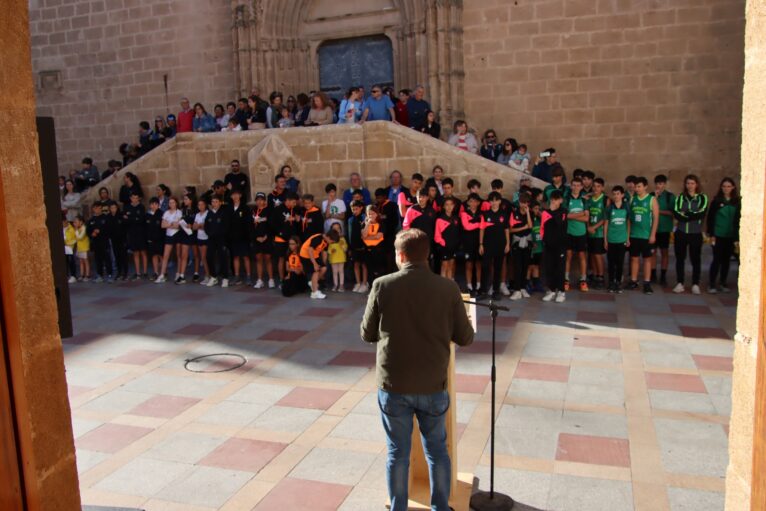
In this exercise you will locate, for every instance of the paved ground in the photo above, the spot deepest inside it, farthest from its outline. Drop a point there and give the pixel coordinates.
(608, 402)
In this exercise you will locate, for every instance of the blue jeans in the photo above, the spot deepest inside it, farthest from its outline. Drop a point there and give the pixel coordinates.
(397, 413)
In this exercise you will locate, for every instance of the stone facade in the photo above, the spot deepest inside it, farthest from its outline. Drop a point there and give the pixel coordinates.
(318, 155)
(618, 86)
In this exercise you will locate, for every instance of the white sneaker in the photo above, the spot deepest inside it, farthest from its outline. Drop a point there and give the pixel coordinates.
(272, 285)
(212, 282)
(364, 288)
(696, 290)
(204, 281)
(224, 282)
(356, 288)
(549, 296)
(504, 290)
(560, 297)
(258, 284)
(160, 279)
(724, 289)
(318, 295)
(72, 280)
(469, 286)
(516, 295)
(712, 290)
(524, 293)
(679, 288)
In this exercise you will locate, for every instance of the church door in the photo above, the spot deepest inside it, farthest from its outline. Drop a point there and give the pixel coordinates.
(361, 61)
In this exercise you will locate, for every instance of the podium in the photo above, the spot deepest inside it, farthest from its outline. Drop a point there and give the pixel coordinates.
(419, 482)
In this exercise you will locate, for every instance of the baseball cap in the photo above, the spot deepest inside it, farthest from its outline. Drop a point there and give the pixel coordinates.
(171, 117)
(260, 195)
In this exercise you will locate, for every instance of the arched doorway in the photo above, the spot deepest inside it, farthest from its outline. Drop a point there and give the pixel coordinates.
(364, 61)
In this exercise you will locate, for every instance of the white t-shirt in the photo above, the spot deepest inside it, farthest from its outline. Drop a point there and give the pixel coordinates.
(172, 218)
(199, 218)
(336, 208)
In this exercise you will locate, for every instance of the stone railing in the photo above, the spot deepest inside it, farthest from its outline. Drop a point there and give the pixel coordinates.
(317, 155)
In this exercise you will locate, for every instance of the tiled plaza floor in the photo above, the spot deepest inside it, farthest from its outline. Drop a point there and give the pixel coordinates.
(606, 402)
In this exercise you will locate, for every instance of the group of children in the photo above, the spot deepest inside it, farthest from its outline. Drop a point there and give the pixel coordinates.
(505, 244)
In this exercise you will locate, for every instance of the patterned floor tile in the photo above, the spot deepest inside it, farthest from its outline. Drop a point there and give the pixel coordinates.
(544, 372)
(344, 467)
(283, 335)
(470, 383)
(205, 486)
(302, 495)
(675, 382)
(589, 341)
(681, 308)
(145, 315)
(711, 363)
(354, 358)
(243, 454)
(322, 312)
(142, 476)
(704, 332)
(138, 357)
(198, 329)
(572, 493)
(111, 437)
(596, 317)
(164, 407)
(593, 449)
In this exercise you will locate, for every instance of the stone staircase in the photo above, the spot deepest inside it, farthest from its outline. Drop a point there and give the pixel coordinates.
(317, 155)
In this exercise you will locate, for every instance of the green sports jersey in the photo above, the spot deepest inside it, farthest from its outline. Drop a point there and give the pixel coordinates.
(617, 220)
(725, 219)
(665, 201)
(565, 191)
(575, 227)
(641, 217)
(597, 209)
(537, 248)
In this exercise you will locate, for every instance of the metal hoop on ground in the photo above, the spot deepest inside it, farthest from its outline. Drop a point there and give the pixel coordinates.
(188, 361)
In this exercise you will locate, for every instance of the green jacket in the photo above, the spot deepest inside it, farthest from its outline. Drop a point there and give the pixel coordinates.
(413, 315)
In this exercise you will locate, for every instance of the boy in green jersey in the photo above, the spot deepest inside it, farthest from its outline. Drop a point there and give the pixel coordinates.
(665, 201)
(597, 209)
(630, 188)
(557, 176)
(644, 219)
(577, 240)
(533, 274)
(616, 237)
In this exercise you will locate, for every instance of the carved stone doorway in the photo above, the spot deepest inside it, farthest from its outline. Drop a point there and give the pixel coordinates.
(358, 61)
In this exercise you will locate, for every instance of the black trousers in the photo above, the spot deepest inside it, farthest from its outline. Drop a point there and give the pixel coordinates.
(71, 264)
(520, 260)
(103, 259)
(218, 260)
(554, 259)
(693, 244)
(492, 261)
(120, 252)
(615, 259)
(722, 252)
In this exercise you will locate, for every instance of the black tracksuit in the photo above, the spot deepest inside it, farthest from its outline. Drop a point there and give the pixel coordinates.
(312, 222)
(495, 225)
(554, 234)
(216, 228)
(520, 255)
(118, 230)
(155, 234)
(135, 218)
(100, 244)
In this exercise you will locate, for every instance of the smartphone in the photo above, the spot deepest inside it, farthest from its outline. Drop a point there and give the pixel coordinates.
(545, 154)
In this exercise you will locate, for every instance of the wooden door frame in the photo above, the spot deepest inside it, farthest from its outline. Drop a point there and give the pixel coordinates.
(758, 481)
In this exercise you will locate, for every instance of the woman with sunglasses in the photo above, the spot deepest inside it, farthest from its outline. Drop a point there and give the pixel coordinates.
(509, 146)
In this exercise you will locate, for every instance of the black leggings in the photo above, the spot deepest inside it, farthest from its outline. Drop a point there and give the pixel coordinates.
(493, 257)
(553, 260)
(520, 258)
(694, 243)
(722, 252)
(615, 258)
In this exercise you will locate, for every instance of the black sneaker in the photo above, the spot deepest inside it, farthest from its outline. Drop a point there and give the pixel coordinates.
(653, 279)
(632, 285)
(497, 296)
(648, 288)
(481, 297)
(663, 282)
(195, 278)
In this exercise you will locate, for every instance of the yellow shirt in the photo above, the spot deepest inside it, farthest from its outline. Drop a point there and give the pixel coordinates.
(70, 237)
(338, 251)
(83, 242)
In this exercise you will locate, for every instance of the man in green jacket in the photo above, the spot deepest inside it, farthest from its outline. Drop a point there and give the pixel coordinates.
(413, 315)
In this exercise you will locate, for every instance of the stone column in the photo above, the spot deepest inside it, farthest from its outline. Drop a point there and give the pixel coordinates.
(28, 302)
(739, 473)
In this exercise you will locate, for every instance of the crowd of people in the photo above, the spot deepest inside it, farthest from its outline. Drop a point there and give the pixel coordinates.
(573, 233)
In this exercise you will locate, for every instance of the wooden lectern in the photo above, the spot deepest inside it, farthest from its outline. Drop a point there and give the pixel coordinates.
(420, 484)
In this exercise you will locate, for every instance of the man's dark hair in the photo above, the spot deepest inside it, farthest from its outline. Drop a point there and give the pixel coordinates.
(232, 103)
(642, 180)
(496, 184)
(599, 180)
(630, 179)
(144, 125)
(577, 180)
(154, 200)
(578, 173)
(522, 145)
(524, 198)
(278, 177)
(274, 95)
(618, 188)
(330, 187)
(589, 174)
(448, 181)
(234, 161)
(660, 178)
(494, 196)
(474, 196)
(556, 195)
(87, 161)
(417, 176)
(291, 196)
(473, 182)
(414, 244)
(557, 171)
(381, 192)
(423, 192)
(405, 91)
(525, 189)
(535, 192)
(357, 204)
(550, 150)
(333, 235)
(357, 192)
(308, 196)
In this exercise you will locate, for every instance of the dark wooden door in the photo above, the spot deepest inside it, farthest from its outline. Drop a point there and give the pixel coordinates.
(11, 491)
(345, 63)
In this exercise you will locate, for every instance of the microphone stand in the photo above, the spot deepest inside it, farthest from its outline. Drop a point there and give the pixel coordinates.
(491, 500)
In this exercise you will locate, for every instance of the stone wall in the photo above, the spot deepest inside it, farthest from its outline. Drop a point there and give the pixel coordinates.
(749, 327)
(618, 86)
(111, 56)
(318, 156)
(30, 334)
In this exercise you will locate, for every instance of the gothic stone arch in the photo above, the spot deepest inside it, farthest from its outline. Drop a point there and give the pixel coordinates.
(276, 41)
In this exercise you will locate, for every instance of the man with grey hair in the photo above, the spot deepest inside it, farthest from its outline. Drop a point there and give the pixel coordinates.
(355, 184)
(417, 107)
(413, 315)
(185, 118)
